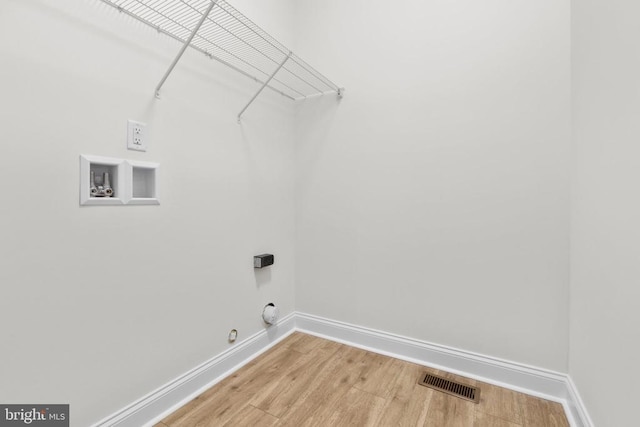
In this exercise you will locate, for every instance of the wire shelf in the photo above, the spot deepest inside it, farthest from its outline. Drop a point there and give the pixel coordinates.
(230, 37)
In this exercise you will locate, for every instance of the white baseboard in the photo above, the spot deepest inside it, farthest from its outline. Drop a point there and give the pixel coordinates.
(576, 405)
(163, 401)
(527, 379)
(515, 376)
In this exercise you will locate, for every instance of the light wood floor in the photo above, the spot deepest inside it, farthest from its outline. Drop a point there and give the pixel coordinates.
(308, 381)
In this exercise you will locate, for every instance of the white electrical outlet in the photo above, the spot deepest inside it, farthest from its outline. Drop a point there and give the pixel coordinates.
(137, 137)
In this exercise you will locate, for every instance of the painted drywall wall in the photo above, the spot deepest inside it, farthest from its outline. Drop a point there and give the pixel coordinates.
(102, 305)
(605, 210)
(433, 200)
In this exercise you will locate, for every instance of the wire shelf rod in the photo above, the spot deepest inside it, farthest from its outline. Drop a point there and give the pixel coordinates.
(204, 52)
(249, 64)
(184, 47)
(235, 29)
(218, 45)
(150, 8)
(253, 77)
(169, 19)
(233, 20)
(312, 75)
(231, 38)
(253, 28)
(295, 58)
(168, 9)
(246, 49)
(144, 21)
(263, 86)
(215, 45)
(236, 37)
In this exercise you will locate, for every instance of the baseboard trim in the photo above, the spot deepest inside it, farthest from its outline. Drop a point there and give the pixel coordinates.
(575, 405)
(527, 379)
(171, 396)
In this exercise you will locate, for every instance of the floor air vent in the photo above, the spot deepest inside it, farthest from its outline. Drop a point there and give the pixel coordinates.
(450, 387)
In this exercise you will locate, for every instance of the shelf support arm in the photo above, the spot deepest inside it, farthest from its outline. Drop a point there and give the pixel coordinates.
(184, 47)
(264, 85)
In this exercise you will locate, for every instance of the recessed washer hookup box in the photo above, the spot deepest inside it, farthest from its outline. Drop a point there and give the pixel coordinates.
(263, 260)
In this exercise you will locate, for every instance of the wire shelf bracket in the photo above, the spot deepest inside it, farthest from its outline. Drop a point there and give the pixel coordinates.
(264, 85)
(184, 47)
(221, 32)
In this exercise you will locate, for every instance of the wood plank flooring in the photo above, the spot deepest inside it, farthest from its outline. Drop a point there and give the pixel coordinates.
(308, 381)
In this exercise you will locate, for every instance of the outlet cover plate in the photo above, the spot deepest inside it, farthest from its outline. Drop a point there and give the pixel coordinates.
(137, 136)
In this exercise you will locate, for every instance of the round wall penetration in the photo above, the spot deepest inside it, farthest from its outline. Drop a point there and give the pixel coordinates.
(270, 314)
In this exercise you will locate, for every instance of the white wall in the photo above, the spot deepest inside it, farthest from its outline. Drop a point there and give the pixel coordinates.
(606, 209)
(433, 201)
(101, 305)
